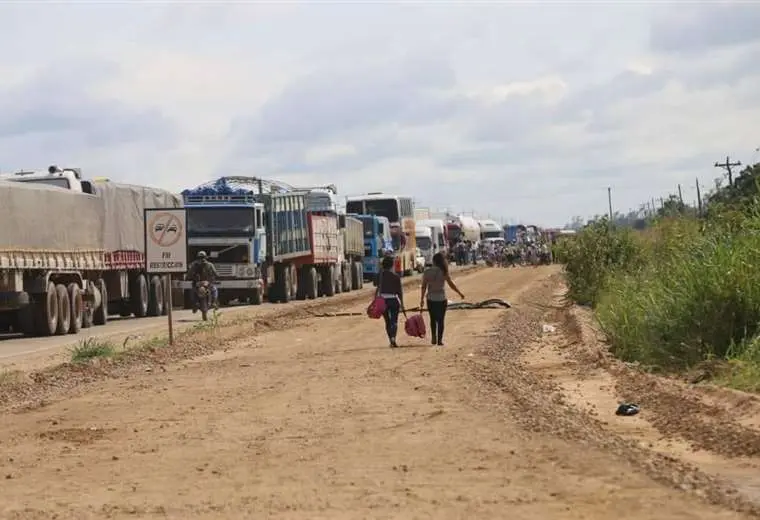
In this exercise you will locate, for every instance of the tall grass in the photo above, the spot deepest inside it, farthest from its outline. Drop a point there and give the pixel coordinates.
(681, 292)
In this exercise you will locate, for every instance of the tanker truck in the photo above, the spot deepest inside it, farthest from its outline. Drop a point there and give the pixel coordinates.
(71, 257)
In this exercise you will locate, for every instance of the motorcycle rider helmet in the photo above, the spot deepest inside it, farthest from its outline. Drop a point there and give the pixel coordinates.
(201, 255)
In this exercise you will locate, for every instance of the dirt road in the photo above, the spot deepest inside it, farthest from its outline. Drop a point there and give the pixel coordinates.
(310, 418)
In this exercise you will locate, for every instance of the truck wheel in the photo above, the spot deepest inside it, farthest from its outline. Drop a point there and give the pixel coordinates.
(294, 282)
(64, 310)
(355, 276)
(310, 277)
(346, 276)
(77, 308)
(156, 297)
(329, 281)
(255, 298)
(25, 319)
(46, 312)
(100, 316)
(139, 296)
(187, 299)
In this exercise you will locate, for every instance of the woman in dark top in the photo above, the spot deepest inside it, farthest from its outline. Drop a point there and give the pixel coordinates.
(434, 281)
(389, 288)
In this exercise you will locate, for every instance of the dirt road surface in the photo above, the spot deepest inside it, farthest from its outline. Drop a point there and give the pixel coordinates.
(311, 418)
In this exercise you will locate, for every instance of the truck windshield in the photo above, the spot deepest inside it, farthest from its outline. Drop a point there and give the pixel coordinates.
(493, 234)
(61, 182)
(220, 221)
(387, 208)
(423, 242)
(368, 231)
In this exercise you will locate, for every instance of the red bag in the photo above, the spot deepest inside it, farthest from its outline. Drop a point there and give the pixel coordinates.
(376, 308)
(415, 326)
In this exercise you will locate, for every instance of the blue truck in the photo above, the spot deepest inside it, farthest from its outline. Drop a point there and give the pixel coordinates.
(377, 240)
(266, 239)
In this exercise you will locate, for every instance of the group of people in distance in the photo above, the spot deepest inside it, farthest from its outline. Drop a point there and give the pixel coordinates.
(433, 295)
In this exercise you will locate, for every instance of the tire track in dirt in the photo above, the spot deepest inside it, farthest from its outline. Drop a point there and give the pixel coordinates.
(541, 405)
(26, 391)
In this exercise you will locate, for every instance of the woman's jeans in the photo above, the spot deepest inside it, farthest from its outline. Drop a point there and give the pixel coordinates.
(437, 311)
(392, 308)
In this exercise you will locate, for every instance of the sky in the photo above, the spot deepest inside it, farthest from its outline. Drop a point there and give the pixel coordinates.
(524, 112)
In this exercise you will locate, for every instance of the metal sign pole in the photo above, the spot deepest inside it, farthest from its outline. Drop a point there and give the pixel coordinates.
(168, 301)
(166, 250)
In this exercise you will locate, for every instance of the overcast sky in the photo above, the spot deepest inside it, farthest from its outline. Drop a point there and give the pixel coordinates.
(526, 112)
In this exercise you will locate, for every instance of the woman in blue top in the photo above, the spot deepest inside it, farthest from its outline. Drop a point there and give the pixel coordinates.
(434, 282)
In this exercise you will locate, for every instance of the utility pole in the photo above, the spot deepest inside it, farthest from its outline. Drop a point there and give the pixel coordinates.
(727, 166)
(609, 201)
(699, 198)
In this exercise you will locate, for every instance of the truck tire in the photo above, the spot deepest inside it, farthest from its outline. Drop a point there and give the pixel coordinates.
(187, 299)
(64, 310)
(100, 316)
(328, 281)
(294, 282)
(280, 292)
(156, 297)
(87, 310)
(256, 297)
(355, 276)
(312, 287)
(25, 319)
(77, 308)
(347, 277)
(139, 296)
(46, 312)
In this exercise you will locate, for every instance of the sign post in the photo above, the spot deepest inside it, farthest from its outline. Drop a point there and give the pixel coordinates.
(166, 249)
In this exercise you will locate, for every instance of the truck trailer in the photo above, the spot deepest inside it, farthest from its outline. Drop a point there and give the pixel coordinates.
(69, 258)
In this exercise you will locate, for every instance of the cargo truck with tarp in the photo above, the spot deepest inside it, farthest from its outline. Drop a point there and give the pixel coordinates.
(351, 263)
(294, 243)
(72, 255)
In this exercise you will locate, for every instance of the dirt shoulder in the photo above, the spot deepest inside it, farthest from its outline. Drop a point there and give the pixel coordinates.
(698, 437)
(317, 418)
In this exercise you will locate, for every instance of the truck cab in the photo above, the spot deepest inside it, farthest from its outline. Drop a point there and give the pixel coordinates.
(425, 243)
(230, 227)
(377, 240)
(65, 178)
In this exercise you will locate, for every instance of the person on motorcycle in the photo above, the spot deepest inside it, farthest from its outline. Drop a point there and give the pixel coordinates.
(201, 270)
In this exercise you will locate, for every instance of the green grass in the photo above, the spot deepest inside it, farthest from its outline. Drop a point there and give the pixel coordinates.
(677, 294)
(91, 348)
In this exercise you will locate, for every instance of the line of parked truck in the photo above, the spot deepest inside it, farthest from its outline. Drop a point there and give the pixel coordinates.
(72, 251)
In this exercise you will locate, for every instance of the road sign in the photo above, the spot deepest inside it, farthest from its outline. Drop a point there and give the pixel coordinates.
(165, 240)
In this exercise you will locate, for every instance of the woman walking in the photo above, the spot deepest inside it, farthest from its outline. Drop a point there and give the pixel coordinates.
(434, 282)
(389, 289)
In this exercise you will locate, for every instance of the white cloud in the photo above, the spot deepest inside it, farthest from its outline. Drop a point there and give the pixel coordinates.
(526, 112)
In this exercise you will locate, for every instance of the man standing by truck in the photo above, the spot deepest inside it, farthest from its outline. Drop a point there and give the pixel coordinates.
(202, 270)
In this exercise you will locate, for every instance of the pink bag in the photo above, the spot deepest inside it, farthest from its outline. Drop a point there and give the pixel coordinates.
(415, 326)
(376, 308)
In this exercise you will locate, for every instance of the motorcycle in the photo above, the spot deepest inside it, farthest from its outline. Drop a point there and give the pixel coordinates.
(203, 294)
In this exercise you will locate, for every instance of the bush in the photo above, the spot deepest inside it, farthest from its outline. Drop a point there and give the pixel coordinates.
(593, 255)
(681, 292)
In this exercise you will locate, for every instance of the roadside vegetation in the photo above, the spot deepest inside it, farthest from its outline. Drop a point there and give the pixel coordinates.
(679, 286)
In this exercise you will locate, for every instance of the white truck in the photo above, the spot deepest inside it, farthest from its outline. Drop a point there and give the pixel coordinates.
(424, 237)
(73, 251)
(439, 234)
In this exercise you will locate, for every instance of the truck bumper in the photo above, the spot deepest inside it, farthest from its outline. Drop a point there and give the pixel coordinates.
(221, 284)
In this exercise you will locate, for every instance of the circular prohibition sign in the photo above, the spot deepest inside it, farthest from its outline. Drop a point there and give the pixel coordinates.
(165, 229)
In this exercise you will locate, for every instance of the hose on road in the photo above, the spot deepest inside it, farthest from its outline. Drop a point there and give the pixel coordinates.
(491, 303)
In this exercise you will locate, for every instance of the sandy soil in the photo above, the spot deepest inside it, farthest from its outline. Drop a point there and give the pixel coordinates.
(307, 418)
